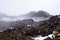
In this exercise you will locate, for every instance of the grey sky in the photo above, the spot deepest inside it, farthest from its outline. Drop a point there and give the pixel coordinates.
(19, 7)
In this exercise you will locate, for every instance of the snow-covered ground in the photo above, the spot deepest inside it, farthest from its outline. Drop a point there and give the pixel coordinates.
(42, 38)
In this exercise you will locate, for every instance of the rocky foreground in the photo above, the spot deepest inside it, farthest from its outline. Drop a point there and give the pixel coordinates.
(27, 33)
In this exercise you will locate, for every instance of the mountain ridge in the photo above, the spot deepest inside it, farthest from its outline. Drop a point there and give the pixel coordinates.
(37, 14)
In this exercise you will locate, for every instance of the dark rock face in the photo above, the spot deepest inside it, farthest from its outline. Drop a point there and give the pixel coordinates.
(24, 23)
(48, 39)
(28, 21)
(48, 26)
(55, 19)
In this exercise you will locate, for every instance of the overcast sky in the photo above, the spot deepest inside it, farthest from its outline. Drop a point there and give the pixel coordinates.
(19, 7)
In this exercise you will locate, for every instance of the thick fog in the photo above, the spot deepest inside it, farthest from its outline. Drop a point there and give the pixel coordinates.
(20, 7)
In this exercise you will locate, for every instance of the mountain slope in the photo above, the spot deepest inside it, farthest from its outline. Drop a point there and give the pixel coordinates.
(37, 14)
(40, 15)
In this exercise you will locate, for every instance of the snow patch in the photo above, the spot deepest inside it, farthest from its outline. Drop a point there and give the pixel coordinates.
(42, 38)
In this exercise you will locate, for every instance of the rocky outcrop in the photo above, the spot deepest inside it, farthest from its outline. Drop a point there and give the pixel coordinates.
(48, 26)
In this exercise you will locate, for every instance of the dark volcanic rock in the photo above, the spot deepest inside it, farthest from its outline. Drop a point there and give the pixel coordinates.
(13, 34)
(48, 26)
(48, 38)
(24, 23)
